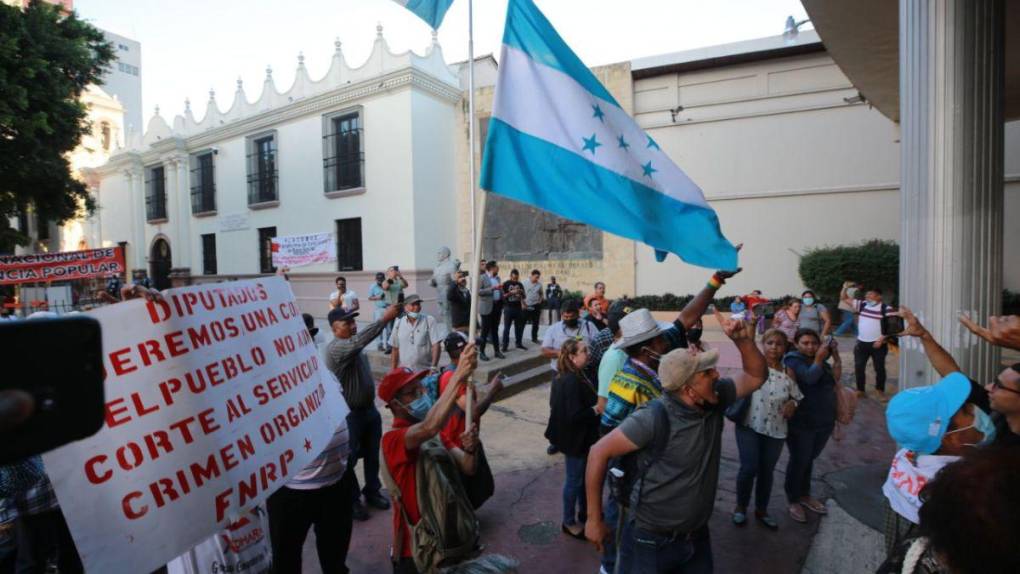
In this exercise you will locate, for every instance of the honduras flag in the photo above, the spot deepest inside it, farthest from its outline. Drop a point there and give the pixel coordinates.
(559, 141)
(432, 11)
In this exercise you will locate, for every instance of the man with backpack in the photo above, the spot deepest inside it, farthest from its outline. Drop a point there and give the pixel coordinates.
(871, 344)
(676, 440)
(433, 521)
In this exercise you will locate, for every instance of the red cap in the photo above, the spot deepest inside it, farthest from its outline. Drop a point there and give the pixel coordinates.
(398, 379)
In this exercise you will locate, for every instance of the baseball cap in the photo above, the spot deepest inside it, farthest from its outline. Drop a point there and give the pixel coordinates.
(679, 365)
(918, 418)
(412, 299)
(455, 341)
(397, 379)
(339, 314)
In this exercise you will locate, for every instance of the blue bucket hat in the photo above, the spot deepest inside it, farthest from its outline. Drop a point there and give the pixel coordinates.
(918, 418)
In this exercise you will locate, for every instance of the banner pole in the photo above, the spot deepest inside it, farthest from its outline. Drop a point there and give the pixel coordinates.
(474, 275)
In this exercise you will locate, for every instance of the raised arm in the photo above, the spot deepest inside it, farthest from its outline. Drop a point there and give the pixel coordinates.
(1001, 331)
(697, 306)
(440, 412)
(369, 333)
(755, 369)
(940, 359)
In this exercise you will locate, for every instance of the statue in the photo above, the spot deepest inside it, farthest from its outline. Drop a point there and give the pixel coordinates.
(442, 278)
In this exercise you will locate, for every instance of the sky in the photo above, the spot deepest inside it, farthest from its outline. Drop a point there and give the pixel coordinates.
(190, 46)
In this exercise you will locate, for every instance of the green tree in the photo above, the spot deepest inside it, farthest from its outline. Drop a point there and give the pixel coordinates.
(47, 58)
(875, 263)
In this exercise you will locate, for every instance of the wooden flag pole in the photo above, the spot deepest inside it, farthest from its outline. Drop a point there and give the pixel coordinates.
(474, 275)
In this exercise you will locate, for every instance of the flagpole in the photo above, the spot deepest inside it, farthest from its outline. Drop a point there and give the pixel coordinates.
(476, 225)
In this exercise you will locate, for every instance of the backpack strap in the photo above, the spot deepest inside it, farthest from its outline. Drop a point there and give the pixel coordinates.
(660, 438)
(391, 485)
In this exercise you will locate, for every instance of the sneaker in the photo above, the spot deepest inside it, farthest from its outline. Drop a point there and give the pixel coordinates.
(521, 347)
(500, 355)
(739, 518)
(797, 513)
(377, 501)
(767, 520)
(483, 356)
(358, 511)
(814, 506)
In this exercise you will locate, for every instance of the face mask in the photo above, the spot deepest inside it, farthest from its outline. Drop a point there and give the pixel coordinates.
(419, 408)
(984, 425)
(413, 314)
(694, 335)
(570, 323)
(808, 300)
(656, 357)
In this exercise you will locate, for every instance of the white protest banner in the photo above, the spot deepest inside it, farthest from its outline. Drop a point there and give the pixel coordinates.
(215, 398)
(243, 547)
(299, 250)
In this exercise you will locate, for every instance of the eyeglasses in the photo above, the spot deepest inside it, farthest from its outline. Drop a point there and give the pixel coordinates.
(999, 386)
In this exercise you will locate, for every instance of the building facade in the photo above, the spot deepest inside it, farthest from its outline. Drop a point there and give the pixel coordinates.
(124, 78)
(363, 153)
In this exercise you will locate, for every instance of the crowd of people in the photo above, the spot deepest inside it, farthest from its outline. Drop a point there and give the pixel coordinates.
(637, 408)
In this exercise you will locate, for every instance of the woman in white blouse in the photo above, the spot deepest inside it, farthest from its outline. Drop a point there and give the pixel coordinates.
(761, 436)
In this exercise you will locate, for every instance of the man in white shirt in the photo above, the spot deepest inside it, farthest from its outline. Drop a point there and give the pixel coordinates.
(871, 344)
(569, 327)
(343, 297)
(416, 338)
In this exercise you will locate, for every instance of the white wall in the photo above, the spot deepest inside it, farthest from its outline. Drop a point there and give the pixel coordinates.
(788, 165)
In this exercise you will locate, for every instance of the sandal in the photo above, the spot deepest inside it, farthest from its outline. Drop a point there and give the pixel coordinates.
(767, 520)
(739, 518)
(814, 506)
(797, 513)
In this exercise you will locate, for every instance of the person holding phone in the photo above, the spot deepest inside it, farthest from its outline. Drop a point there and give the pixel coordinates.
(811, 424)
(871, 343)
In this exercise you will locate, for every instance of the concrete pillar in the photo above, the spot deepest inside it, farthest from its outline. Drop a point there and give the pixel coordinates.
(951, 119)
(138, 248)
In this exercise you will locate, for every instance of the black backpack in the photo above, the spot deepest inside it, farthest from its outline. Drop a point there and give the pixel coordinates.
(636, 464)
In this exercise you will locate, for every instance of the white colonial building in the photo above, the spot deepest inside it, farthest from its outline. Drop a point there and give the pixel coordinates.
(365, 153)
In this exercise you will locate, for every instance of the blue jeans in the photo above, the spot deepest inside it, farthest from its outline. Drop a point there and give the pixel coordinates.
(647, 552)
(364, 427)
(611, 514)
(847, 326)
(758, 457)
(805, 445)
(575, 505)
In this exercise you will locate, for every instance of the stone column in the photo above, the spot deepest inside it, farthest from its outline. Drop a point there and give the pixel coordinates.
(951, 119)
(182, 190)
(137, 247)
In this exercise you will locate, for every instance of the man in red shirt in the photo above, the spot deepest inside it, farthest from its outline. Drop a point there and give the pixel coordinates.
(455, 343)
(416, 420)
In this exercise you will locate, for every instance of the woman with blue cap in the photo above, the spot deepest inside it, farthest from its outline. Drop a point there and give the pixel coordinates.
(933, 426)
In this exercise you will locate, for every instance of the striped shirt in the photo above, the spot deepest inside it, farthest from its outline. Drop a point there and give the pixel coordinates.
(869, 326)
(632, 386)
(328, 467)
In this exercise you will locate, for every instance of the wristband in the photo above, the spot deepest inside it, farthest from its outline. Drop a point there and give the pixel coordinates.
(716, 282)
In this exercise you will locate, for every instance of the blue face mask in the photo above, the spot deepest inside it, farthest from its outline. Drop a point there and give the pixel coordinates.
(984, 425)
(413, 314)
(808, 300)
(419, 408)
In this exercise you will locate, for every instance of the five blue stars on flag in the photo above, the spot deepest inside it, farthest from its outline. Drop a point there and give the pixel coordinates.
(592, 143)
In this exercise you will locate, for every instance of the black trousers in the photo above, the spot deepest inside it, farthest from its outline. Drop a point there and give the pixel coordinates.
(513, 315)
(533, 316)
(864, 351)
(44, 542)
(804, 446)
(328, 510)
(490, 328)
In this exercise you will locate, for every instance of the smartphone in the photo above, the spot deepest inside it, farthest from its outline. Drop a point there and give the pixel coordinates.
(831, 341)
(59, 362)
(892, 325)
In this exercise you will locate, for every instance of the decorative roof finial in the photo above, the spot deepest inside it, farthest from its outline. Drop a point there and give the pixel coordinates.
(212, 94)
(378, 29)
(301, 59)
(240, 84)
(336, 44)
(435, 36)
(157, 109)
(269, 72)
(187, 105)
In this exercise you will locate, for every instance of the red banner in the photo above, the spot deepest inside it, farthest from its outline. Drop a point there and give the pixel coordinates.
(63, 266)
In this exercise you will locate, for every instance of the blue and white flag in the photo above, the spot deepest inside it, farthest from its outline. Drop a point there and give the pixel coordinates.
(432, 11)
(559, 141)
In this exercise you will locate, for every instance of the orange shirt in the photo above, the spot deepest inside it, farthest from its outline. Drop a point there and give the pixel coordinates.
(602, 302)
